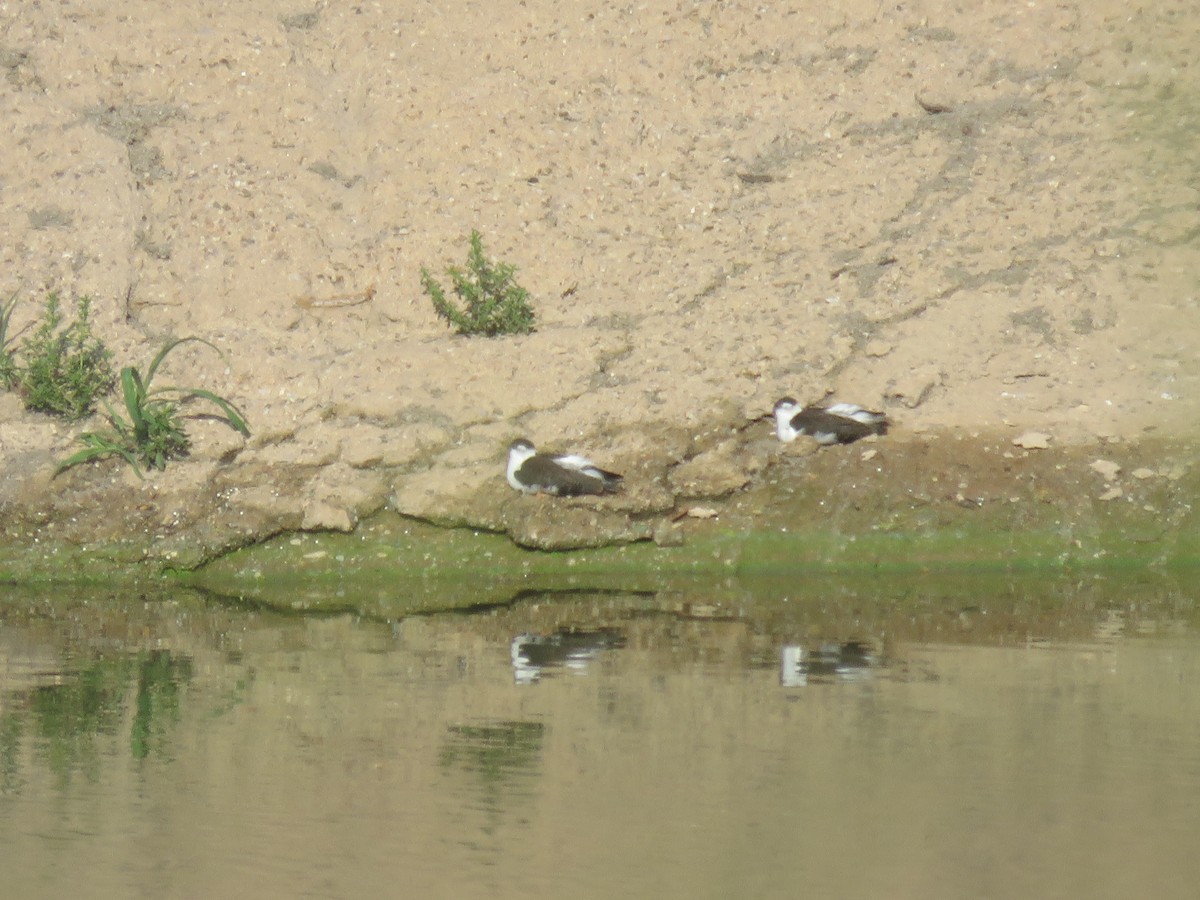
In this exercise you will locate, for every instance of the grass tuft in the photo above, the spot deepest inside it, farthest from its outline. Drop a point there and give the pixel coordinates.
(151, 431)
(8, 365)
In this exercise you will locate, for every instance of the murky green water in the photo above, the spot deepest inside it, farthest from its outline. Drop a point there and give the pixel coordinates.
(931, 738)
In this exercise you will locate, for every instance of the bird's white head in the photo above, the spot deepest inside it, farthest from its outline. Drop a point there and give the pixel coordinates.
(785, 410)
(519, 451)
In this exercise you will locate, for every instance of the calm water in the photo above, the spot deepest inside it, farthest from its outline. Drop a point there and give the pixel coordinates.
(960, 742)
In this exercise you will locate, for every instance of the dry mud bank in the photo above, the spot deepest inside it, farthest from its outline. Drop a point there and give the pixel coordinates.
(943, 502)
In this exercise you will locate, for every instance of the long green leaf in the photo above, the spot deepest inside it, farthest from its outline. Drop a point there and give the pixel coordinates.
(134, 392)
(171, 345)
(98, 448)
(233, 415)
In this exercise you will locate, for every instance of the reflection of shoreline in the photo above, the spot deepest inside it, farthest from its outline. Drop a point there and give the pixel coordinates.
(534, 654)
(828, 663)
(24, 669)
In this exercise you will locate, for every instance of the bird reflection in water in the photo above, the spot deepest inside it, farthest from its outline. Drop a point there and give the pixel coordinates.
(829, 662)
(534, 655)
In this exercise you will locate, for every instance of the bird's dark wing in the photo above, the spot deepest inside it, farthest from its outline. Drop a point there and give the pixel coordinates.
(815, 420)
(546, 475)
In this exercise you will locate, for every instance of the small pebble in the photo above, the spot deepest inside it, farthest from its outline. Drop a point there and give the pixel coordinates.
(1032, 440)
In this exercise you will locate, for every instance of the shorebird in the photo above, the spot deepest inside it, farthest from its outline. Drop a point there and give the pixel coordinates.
(840, 423)
(564, 475)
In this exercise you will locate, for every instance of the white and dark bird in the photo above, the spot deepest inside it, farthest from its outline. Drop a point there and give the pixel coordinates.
(565, 475)
(839, 423)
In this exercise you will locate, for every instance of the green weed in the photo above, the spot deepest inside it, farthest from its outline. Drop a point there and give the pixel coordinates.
(490, 300)
(151, 432)
(62, 371)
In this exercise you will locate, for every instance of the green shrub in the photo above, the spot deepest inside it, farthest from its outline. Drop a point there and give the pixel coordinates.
(153, 433)
(491, 302)
(63, 371)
